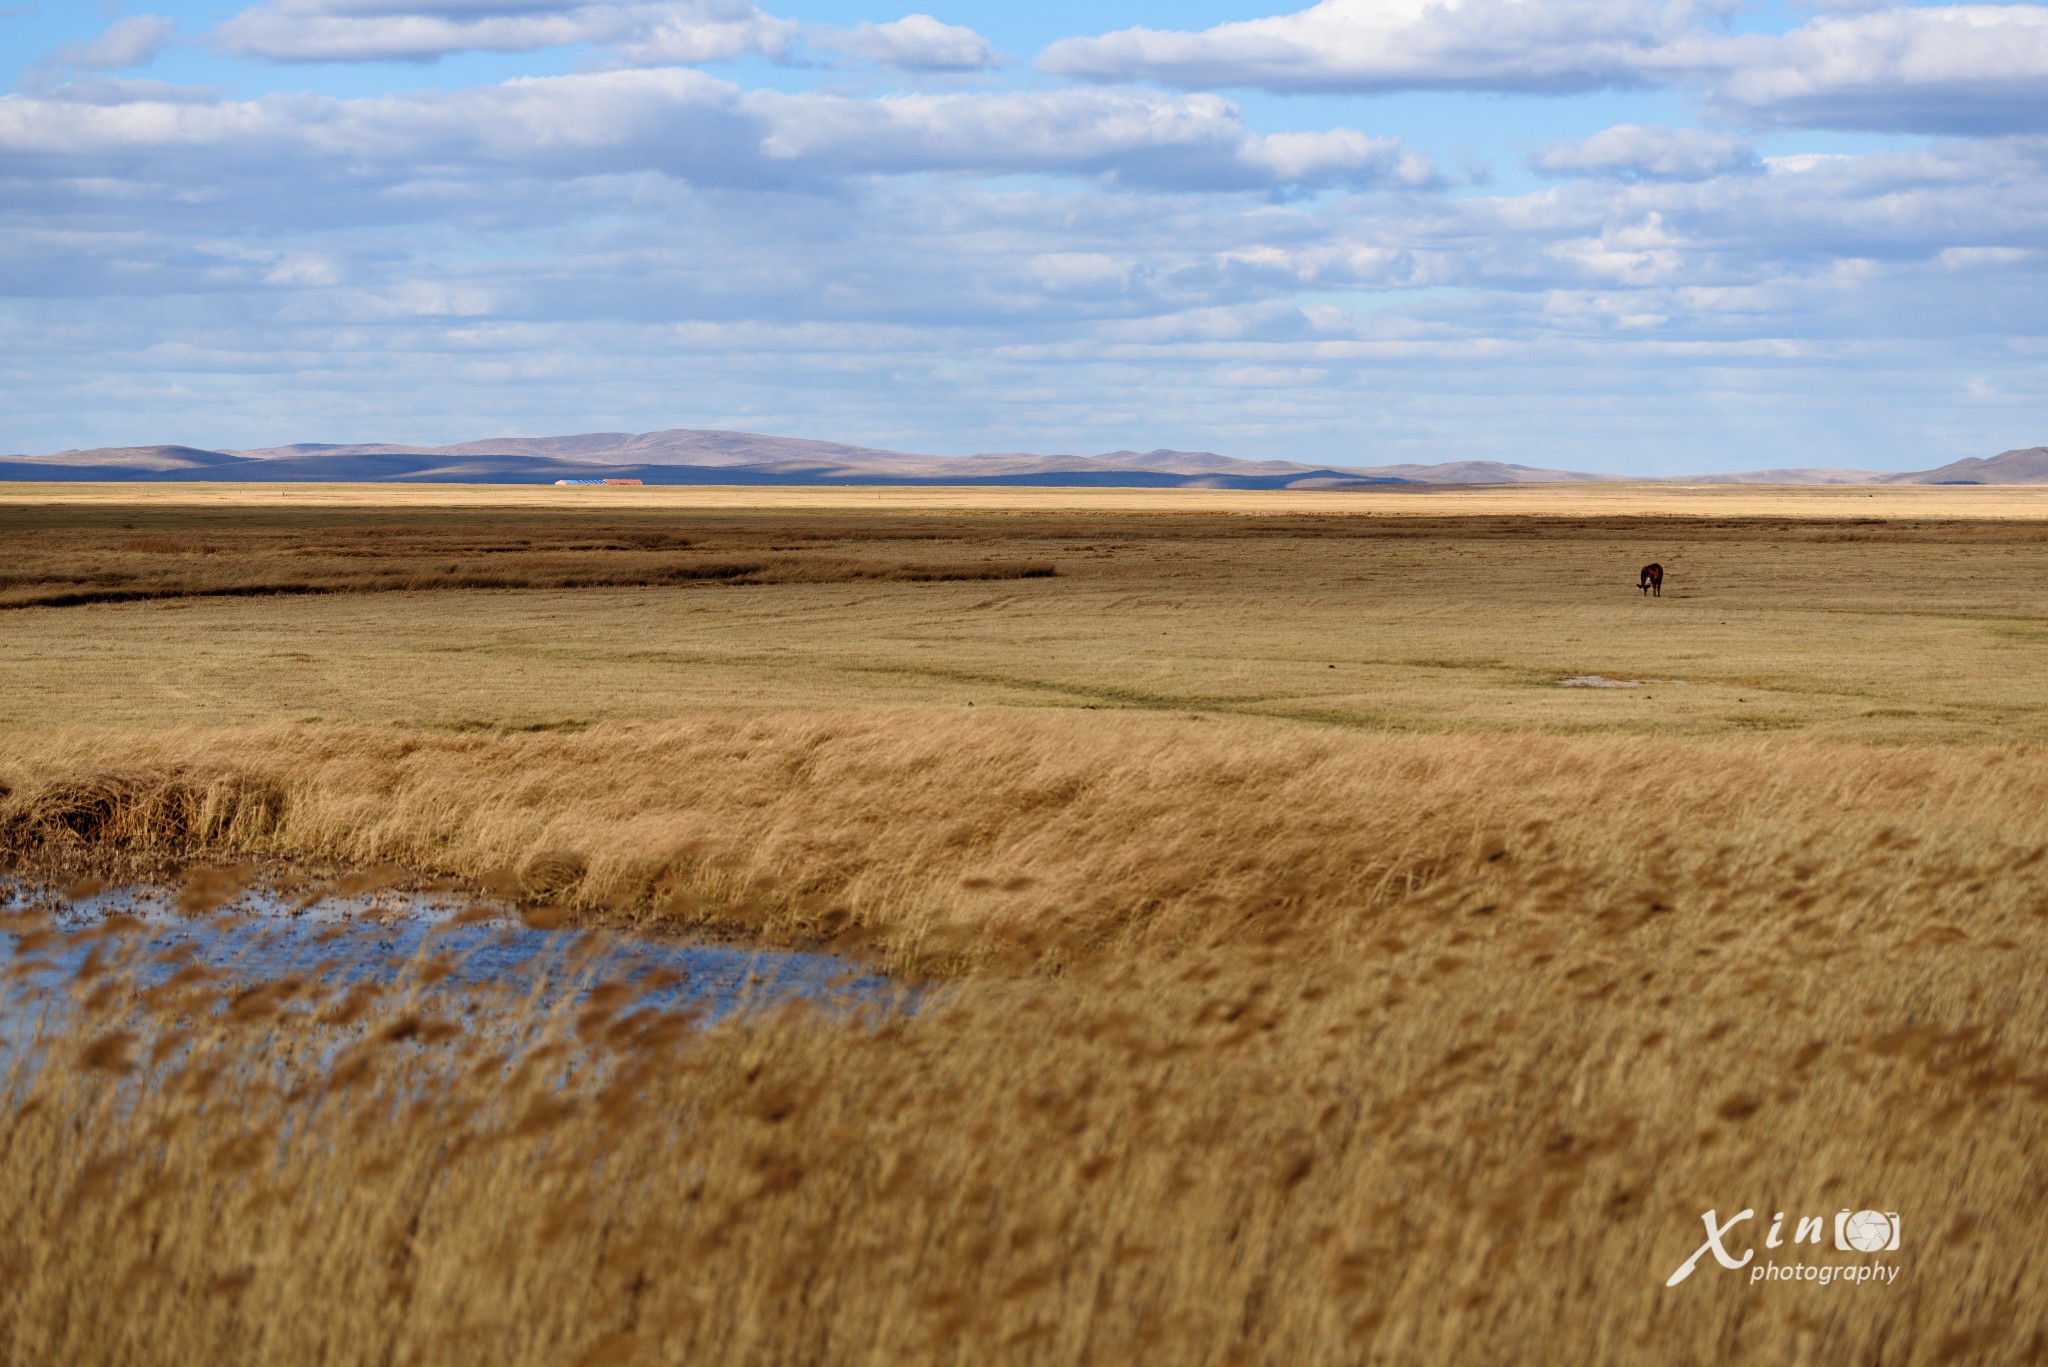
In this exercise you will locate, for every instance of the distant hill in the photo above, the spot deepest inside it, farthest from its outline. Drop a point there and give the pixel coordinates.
(1798, 475)
(140, 460)
(692, 456)
(679, 456)
(2028, 466)
(678, 446)
(1484, 472)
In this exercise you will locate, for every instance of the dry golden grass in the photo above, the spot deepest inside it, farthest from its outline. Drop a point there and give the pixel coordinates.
(954, 838)
(1621, 499)
(1890, 631)
(1488, 1152)
(67, 561)
(1414, 1017)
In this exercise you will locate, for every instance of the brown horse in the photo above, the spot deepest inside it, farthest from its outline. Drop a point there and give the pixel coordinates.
(1653, 580)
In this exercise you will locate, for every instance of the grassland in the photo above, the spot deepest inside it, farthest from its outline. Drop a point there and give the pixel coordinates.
(1325, 982)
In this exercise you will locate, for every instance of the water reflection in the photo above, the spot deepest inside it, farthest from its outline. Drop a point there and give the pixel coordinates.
(421, 943)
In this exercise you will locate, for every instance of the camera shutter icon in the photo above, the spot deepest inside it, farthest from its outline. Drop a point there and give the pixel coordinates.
(1867, 1231)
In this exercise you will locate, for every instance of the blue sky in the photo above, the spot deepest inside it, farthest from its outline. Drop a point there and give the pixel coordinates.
(1628, 235)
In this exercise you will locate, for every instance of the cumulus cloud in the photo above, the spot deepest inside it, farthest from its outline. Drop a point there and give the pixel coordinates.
(916, 42)
(1368, 46)
(1196, 142)
(1631, 151)
(128, 43)
(1033, 263)
(649, 32)
(116, 90)
(1969, 69)
(1643, 216)
(1953, 69)
(688, 125)
(951, 315)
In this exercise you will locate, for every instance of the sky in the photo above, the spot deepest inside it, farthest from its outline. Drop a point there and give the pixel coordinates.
(1655, 237)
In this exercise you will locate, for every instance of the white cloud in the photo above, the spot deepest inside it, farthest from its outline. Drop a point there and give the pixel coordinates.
(1383, 45)
(1642, 252)
(676, 34)
(688, 125)
(1631, 151)
(648, 32)
(1196, 142)
(1271, 377)
(130, 42)
(1967, 69)
(305, 268)
(1970, 69)
(1073, 267)
(131, 89)
(1971, 258)
(684, 180)
(916, 42)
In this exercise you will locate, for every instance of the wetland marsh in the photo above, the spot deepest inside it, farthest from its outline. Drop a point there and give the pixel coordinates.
(1325, 982)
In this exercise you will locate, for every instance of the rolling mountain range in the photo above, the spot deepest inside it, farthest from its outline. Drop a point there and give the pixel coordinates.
(688, 456)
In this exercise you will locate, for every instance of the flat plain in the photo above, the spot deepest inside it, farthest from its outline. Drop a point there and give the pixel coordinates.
(1332, 966)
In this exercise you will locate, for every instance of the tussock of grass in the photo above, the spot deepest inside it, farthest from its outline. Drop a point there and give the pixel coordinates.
(105, 813)
(1483, 1139)
(956, 837)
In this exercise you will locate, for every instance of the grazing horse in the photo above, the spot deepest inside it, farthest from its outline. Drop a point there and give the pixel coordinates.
(1652, 580)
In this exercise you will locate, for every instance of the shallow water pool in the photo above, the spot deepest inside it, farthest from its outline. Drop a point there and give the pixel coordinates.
(422, 943)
